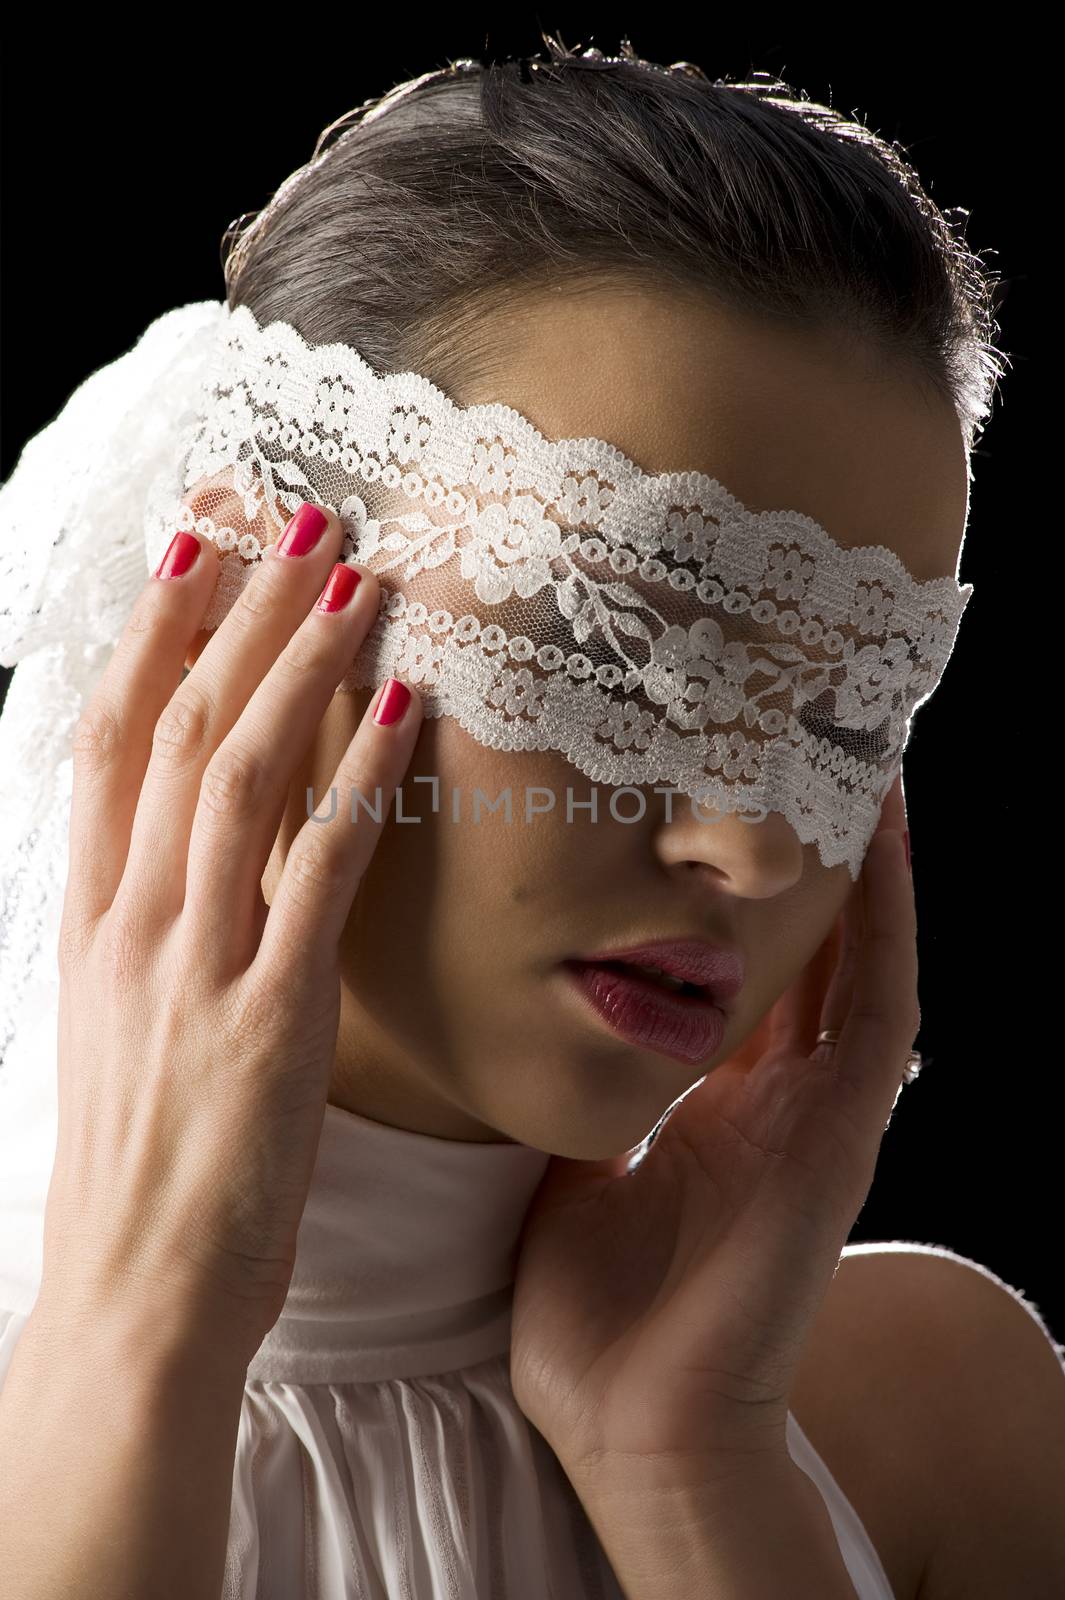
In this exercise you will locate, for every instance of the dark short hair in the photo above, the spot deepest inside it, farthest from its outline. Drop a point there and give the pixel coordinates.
(425, 211)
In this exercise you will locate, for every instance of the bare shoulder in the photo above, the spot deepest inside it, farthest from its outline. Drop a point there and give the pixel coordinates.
(936, 1395)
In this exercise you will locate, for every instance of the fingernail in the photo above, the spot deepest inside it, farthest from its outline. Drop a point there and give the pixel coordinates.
(303, 532)
(181, 553)
(395, 698)
(341, 585)
(906, 846)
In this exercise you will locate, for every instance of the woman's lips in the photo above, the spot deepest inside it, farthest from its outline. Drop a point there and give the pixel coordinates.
(688, 1028)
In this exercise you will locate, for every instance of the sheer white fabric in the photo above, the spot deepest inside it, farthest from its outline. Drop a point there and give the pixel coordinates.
(71, 566)
(380, 1451)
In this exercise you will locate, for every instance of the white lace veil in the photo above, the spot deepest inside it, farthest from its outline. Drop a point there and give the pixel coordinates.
(71, 566)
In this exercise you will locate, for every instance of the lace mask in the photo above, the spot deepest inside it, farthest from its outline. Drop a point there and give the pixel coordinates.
(553, 596)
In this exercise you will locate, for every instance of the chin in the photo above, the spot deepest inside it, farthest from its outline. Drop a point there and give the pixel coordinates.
(597, 1110)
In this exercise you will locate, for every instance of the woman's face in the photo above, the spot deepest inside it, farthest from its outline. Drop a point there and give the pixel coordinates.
(457, 1017)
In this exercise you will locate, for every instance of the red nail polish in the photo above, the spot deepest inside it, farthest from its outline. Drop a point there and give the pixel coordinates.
(181, 553)
(395, 698)
(341, 585)
(303, 532)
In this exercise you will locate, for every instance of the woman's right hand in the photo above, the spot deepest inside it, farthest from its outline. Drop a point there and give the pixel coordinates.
(197, 1024)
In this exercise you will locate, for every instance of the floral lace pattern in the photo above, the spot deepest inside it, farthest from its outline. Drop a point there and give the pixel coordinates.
(551, 595)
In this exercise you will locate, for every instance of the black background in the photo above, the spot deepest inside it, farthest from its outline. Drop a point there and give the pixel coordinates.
(121, 173)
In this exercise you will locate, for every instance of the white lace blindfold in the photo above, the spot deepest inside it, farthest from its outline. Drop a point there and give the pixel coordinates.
(550, 595)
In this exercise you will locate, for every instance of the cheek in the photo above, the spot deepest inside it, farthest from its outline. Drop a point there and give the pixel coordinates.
(509, 860)
(437, 893)
(461, 903)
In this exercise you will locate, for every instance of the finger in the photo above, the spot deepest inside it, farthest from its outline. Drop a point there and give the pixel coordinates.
(790, 1024)
(247, 782)
(113, 737)
(206, 705)
(822, 999)
(327, 858)
(794, 1019)
(840, 989)
(839, 996)
(893, 809)
(884, 1015)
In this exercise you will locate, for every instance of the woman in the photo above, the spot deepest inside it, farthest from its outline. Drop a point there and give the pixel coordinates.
(503, 1358)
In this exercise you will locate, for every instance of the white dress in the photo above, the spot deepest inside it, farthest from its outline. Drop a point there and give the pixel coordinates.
(381, 1454)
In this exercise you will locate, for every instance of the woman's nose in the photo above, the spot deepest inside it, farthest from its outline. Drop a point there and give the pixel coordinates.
(751, 855)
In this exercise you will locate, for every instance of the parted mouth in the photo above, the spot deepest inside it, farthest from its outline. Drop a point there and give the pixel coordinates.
(691, 967)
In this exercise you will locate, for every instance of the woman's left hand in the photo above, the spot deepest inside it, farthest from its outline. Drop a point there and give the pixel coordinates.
(660, 1317)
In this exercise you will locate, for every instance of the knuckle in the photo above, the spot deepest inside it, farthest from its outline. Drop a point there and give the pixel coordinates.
(359, 775)
(240, 1011)
(233, 781)
(241, 1006)
(181, 729)
(97, 733)
(237, 1020)
(315, 869)
(305, 652)
(144, 618)
(73, 942)
(258, 598)
(121, 944)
